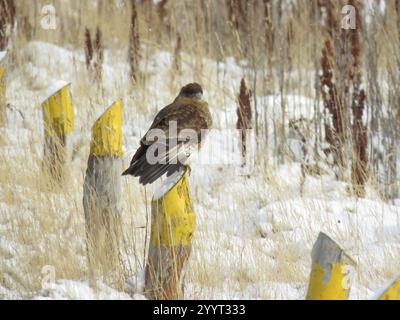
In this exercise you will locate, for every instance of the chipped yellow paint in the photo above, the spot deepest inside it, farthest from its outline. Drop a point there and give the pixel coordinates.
(2, 72)
(175, 220)
(392, 292)
(58, 113)
(333, 289)
(107, 132)
(2, 83)
(332, 271)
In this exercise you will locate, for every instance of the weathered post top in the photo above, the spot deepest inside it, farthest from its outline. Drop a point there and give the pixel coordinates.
(331, 271)
(107, 132)
(57, 110)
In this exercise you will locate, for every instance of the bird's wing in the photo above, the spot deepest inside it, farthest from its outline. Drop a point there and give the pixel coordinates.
(174, 150)
(185, 113)
(186, 116)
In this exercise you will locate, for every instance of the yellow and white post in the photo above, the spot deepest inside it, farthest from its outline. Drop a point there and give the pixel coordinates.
(102, 196)
(58, 118)
(2, 90)
(332, 271)
(392, 291)
(172, 228)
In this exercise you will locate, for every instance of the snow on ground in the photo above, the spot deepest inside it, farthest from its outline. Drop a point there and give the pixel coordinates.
(275, 236)
(67, 289)
(254, 234)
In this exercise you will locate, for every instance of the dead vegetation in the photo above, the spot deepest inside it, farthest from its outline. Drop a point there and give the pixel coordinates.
(283, 52)
(244, 114)
(7, 22)
(134, 43)
(94, 54)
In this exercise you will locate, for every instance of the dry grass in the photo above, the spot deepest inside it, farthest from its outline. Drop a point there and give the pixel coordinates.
(45, 224)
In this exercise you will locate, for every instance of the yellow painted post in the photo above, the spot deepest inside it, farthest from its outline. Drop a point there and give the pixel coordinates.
(58, 121)
(392, 291)
(172, 227)
(2, 92)
(102, 197)
(331, 272)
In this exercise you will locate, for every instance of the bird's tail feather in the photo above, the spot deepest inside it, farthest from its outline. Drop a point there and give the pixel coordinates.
(148, 173)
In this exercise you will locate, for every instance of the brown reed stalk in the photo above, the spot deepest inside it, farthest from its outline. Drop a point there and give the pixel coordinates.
(88, 49)
(269, 31)
(359, 129)
(99, 50)
(177, 54)
(330, 100)
(397, 6)
(333, 96)
(237, 13)
(336, 94)
(232, 6)
(134, 43)
(360, 145)
(3, 29)
(244, 115)
(94, 54)
(162, 11)
(7, 21)
(392, 183)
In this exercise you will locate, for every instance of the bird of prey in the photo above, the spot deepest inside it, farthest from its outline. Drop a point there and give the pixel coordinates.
(188, 113)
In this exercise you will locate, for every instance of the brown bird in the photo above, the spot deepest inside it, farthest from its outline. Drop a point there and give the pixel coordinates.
(189, 116)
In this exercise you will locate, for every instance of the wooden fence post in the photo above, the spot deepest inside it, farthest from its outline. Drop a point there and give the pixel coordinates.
(102, 196)
(2, 91)
(172, 227)
(392, 291)
(331, 272)
(58, 118)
